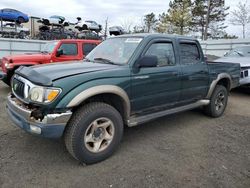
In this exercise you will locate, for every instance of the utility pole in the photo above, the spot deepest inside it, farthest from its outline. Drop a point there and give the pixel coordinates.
(207, 18)
(106, 29)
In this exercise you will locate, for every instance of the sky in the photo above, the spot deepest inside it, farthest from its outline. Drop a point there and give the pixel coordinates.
(118, 12)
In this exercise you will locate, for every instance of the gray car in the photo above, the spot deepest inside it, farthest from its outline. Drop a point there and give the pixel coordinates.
(239, 55)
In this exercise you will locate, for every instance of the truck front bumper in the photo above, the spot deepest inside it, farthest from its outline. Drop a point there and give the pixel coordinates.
(52, 125)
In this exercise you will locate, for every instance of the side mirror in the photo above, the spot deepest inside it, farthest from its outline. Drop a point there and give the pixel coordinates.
(225, 54)
(147, 61)
(59, 53)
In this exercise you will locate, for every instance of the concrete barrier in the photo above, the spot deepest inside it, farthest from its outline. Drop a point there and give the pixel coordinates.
(19, 46)
(219, 47)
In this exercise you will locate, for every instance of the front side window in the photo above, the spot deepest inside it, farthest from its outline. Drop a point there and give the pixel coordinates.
(69, 48)
(189, 53)
(87, 48)
(49, 47)
(164, 52)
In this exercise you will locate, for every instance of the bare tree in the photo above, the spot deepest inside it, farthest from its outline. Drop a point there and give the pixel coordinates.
(241, 16)
(127, 23)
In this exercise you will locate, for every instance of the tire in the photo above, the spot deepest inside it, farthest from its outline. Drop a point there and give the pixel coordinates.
(84, 27)
(7, 80)
(20, 20)
(218, 102)
(80, 129)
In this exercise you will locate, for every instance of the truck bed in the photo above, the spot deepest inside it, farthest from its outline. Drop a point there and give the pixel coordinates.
(232, 69)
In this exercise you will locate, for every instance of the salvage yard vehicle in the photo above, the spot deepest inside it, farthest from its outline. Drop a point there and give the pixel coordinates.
(116, 30)
(126, 80)
(239, 55)
(13, 15)
(54, 51)
(89, 25)
(13, 30)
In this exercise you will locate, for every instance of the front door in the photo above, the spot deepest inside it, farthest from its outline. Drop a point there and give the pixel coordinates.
(155, 87)
(70, 52)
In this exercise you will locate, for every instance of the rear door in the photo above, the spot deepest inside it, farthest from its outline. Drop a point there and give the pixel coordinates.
(195, 72)
(154, 87)
(87, 48)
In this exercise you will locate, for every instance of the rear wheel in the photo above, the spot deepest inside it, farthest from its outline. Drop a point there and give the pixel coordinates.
(94, 132)
(20, 20)
(218, 102)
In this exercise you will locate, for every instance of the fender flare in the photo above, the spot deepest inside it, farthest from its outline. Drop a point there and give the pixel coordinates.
(102, 89)
(214, 83)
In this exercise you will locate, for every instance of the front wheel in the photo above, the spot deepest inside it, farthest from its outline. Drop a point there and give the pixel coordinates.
(218, 102)
(94, 132)
(8, 78)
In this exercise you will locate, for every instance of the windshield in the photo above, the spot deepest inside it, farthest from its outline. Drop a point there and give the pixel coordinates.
(116, 50)
(49, 47)
(239, 52)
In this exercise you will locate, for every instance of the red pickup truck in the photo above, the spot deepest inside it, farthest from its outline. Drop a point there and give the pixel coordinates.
(53, 51)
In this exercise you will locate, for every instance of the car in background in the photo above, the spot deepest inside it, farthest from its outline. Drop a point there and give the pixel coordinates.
(239, 55)
(57, 20)
(53, 51)
(116, 30)
(15, 29)
(89, 25)
(13, 15)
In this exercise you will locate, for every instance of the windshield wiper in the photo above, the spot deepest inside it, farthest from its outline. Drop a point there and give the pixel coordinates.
(86, 59)
(106, 61)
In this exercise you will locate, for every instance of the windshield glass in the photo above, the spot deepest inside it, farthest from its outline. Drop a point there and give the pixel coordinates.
(116, 50)
(49, 47)
(239, 52)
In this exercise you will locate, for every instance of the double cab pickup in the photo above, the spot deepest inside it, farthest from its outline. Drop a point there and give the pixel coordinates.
(125, 81)
(53, 51)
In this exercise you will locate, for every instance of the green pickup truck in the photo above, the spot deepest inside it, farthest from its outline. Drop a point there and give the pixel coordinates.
(125, 81)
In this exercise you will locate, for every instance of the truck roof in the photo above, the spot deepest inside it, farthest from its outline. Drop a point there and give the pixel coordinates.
(78, 40)
(156, 35)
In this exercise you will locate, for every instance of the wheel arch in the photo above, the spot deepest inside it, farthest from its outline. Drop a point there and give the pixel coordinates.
(113, 95)
(222, 79)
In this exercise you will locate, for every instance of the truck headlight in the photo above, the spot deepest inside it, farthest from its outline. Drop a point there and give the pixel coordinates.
(7, 65)
(43, 95)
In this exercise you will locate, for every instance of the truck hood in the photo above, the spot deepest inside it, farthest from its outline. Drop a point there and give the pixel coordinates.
(46, 74)
(243, 61)
(29, 57)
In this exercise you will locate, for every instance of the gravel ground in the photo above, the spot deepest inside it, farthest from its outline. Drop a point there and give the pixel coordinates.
(183, 150)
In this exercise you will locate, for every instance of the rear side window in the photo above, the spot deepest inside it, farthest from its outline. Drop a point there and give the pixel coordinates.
(189, 53)
(87, 47)
(69, 48)
(164, 52)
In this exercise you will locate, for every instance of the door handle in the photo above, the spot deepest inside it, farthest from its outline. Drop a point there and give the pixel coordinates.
(203, 71)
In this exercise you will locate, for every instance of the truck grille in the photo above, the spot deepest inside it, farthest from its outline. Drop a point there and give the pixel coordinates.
(18, 87)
